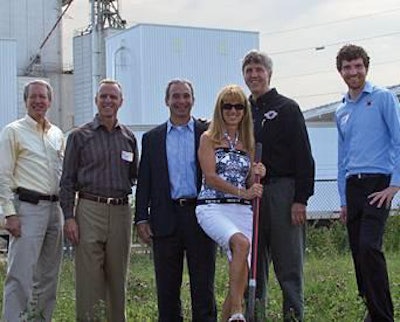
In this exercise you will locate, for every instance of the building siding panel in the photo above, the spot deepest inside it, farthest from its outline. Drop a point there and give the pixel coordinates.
(8, 81)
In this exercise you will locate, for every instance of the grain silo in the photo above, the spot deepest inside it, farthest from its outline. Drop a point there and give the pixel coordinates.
(31, 41)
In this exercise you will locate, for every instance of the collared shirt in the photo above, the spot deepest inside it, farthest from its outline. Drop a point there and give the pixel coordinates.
(31, 158)
(181, 157)
(98, 162)
(369, 135)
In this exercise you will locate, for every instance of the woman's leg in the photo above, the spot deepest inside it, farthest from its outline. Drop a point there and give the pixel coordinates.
(238, 273)
(226, 309)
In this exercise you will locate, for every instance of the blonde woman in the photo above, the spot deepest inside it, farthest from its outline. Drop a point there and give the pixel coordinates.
(226, 154)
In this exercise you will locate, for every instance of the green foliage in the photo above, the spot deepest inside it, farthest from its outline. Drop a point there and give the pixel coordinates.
(65, 309)
(327, 239)
(392, 234)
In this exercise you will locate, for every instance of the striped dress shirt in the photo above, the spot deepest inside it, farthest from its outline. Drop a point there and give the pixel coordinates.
(98, 162)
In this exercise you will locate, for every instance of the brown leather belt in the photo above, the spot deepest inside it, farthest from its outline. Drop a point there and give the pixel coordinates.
(106, 200)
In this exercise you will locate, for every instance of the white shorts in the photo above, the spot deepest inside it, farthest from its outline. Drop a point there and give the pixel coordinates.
(221, 221)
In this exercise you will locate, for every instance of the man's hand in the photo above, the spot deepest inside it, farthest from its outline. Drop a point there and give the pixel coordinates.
(383, 197)
(71, 231)
(298, 214)
(13, 225)
(144, 232)
(343, 214)
(259, 169)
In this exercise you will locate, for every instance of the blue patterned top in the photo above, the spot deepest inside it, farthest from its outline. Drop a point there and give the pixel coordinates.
(232, 166)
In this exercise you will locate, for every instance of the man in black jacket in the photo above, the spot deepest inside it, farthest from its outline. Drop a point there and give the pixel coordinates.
(279, 125)
(168, 183)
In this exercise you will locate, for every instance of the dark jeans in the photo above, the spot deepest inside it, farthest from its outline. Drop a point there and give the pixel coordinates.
(188, 240)
(365, 226)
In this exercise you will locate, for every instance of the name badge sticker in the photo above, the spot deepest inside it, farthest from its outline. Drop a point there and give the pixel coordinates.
(127, 156)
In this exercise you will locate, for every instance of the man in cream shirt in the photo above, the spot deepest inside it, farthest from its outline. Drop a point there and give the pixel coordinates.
(30, 169)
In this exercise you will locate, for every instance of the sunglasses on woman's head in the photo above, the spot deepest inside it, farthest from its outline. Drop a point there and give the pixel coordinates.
(237, 107)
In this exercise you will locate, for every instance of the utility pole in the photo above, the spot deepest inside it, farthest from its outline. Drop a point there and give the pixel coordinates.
(104, 14)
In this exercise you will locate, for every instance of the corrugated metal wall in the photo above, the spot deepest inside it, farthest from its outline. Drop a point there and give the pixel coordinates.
(83, 96)
(8, 81)
(145, 57)
(11, 86)
(29, 21)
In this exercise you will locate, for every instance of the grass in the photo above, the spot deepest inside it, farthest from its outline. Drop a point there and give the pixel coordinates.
(330, 287)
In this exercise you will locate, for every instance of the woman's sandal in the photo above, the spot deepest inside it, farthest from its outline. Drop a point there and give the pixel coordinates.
(237, 317)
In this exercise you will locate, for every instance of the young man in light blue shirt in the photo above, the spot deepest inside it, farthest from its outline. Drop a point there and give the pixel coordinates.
(368, 123)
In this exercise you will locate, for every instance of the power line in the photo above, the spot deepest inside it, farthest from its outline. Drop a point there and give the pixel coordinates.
(305, 74)
(326, 71)
(318, 95)
(330, 22)
(333, 44)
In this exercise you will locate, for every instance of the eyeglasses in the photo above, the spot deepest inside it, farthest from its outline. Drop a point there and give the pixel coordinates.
(237, 107)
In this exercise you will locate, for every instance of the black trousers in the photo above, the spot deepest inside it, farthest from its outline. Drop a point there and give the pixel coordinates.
(169, 252)
(365, 226)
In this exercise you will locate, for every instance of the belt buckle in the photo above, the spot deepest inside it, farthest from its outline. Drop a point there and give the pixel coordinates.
(359, 175)
(182, 202)
(109, 201)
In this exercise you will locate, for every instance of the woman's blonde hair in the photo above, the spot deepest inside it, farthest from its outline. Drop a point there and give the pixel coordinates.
(217, 128)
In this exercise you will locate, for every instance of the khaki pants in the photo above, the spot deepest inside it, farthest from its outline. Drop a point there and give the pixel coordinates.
(33, 262)
(101, 260)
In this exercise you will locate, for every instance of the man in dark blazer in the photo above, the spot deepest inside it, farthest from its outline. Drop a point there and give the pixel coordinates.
(168, 183)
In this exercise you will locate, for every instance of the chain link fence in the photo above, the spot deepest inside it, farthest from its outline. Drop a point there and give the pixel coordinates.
(325, 203)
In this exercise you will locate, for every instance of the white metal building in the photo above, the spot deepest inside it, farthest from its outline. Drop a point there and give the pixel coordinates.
(26, 24)
(8, 81)
(29, 22)
(145, 57)
(325, 201)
